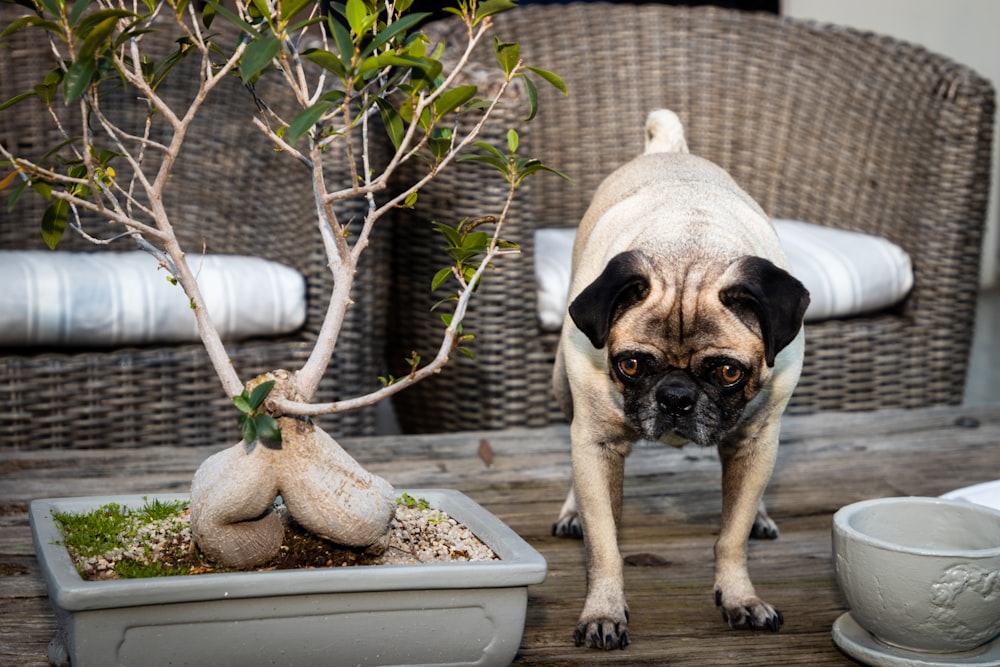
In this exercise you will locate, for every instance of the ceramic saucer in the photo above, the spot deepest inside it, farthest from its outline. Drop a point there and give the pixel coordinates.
(861, 645)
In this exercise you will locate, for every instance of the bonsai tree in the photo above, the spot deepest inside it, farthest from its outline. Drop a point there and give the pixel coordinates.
(360, 73)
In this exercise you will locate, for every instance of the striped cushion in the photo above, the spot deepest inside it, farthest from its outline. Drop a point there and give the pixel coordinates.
(113, 299)
(846, 273)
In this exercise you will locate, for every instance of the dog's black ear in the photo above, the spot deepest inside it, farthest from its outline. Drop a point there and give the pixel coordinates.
(768, 298)
(622, 284)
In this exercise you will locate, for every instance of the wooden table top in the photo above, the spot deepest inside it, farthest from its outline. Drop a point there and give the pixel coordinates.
(671, 513)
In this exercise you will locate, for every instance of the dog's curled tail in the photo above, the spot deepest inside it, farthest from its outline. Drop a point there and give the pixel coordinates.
(665, 133)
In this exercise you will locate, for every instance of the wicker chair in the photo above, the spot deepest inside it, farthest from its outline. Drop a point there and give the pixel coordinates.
(818, 123)
(170, 394)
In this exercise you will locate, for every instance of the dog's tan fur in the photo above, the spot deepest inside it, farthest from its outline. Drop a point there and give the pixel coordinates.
(666, 273)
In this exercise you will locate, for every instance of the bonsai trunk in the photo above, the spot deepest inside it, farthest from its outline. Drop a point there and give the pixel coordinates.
(324, 489)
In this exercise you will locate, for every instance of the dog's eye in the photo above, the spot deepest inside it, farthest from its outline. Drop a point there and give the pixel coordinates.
(728, 375)
(630, 367)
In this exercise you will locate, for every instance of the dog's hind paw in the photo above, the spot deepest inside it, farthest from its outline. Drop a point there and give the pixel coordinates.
(603, 633)
(568, 526)
(752, 614)
(764, 528)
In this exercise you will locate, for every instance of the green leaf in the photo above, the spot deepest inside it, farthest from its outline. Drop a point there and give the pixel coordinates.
(259, 393)
(440, 278)
(25, 21)
(533, 166)
(58, 147)
(345, 46)
(262, 8)
(207, 15)
(106, 156)
(328, 61)
(529, 86)
(453, 236)
(476, 241)
(383, 60)
(242, 403)
(500, 164)
(77, 80)
(268, 431)
(290, 8)
(357, 16)
(79, 6)
(258, 56)
(16, 195)
(54, 222)
(92, 21)
(248, 429)
(552, 78)
(18, 98)
(77, 171)
(392, 121)
(482, 145)
(453, 99)
(512, 140)
(393, 29)
(491, 7)
(98, 36)
(44, 188)
(54, 6)
(508, 54)
(46, 93)
(234, 18)
(306, 119)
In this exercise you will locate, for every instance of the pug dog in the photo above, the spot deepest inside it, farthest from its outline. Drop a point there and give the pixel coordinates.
(684, 325)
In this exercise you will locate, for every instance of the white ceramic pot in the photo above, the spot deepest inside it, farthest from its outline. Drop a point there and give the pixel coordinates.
(922, 574)
(428, 614)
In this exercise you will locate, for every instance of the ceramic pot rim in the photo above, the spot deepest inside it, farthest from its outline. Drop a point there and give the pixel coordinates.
(842, 522)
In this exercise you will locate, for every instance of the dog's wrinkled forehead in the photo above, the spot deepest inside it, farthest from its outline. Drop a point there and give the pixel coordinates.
(693, 302)
(680, 315)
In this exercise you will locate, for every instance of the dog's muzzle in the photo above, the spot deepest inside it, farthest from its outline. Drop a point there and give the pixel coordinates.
(677, 396)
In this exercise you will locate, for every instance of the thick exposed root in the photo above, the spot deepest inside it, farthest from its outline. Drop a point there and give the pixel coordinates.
(232, 500)
(324, 488)
(328, 492)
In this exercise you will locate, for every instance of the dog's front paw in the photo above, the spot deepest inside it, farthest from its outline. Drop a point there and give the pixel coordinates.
(568, 525)
(751, 613)
(605, 633)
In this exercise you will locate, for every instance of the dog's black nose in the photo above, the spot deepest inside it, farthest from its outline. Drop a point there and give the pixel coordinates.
(676, 397)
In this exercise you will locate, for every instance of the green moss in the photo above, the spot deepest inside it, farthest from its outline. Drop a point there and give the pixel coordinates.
(123, 536)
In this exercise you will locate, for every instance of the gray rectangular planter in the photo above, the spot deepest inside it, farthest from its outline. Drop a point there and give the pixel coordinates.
(427, 614)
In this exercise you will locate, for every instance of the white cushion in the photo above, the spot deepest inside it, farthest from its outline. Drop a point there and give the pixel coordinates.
(553, 262)
(122, 298)
(846, 273)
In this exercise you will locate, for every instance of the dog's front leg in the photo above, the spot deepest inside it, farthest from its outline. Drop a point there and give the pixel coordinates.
(598, 473)
(747, 463)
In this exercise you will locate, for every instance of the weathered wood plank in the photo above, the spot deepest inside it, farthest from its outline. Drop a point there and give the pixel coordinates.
(671, 512)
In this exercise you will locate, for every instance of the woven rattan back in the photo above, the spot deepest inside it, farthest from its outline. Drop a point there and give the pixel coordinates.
(818, 123)
(230, 192)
